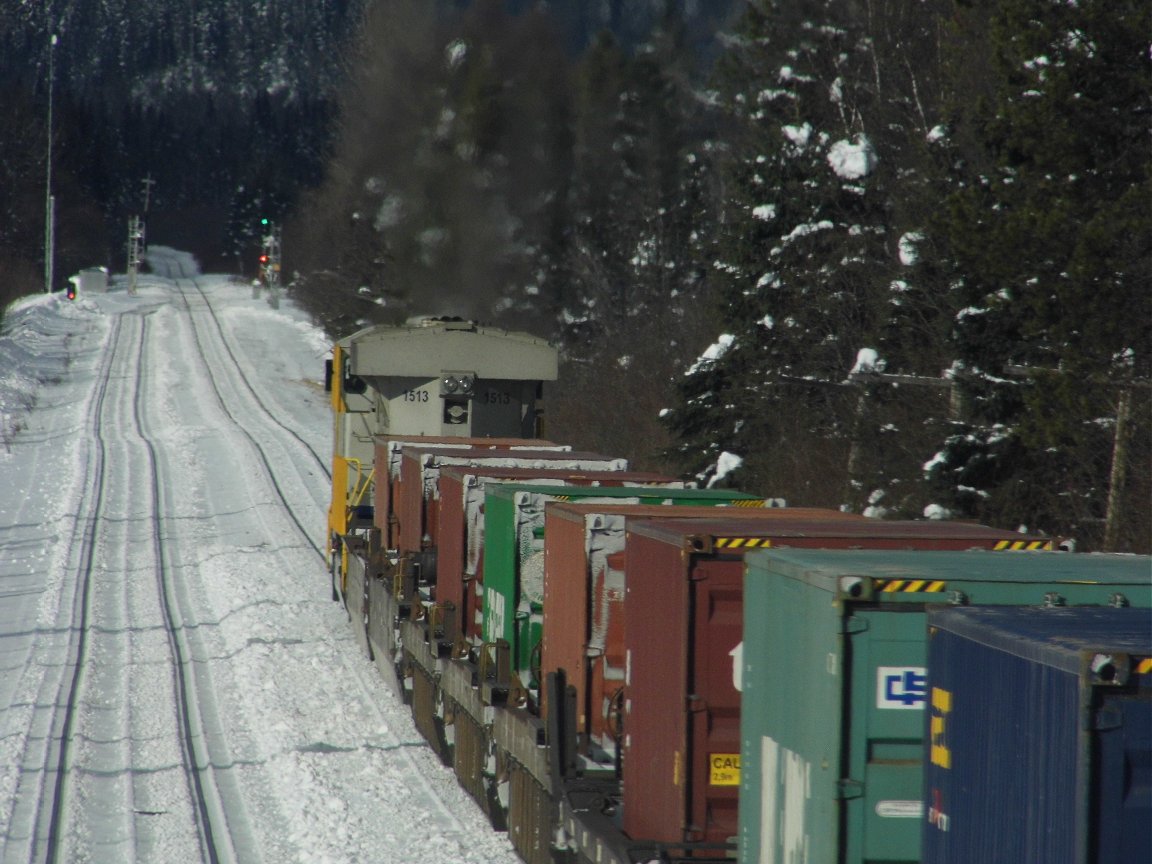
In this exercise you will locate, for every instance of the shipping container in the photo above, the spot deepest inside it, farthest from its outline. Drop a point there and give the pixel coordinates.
(514, 554)
(1039, 726)
(417, 491)
(385, 469)
(834, 685)
(459, 566)
(584, 584)
(681, 772)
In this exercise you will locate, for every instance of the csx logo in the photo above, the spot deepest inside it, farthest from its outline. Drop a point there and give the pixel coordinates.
(901, 687)
(938, 728)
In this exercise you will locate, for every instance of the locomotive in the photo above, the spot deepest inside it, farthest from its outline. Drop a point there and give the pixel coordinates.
(620, 667)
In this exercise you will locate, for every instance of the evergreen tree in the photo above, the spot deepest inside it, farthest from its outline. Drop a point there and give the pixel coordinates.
(638, 208)
(824, 116)
(1048, 234)
(451, 167)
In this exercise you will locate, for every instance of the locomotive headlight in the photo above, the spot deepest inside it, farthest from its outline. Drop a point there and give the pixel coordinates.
(462, 383)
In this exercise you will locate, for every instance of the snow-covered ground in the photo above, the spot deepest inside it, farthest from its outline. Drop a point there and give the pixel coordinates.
(176, 684)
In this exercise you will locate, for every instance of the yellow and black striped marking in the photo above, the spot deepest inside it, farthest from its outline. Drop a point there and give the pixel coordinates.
(910, 586)
(1023, 546)
(740, 543)
(749, 502)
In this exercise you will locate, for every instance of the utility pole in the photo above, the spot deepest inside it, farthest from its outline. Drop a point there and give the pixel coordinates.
(1114, 516)
(148, 184)
(49, 198)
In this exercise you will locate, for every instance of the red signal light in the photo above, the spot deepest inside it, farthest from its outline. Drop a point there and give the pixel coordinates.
(71, 292)
(263, 259)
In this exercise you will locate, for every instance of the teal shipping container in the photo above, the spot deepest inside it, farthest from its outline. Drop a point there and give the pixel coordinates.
(834, 685)
(514, 552)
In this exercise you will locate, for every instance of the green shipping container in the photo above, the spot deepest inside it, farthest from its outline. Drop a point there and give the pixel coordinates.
(514, 551)
(834, 685)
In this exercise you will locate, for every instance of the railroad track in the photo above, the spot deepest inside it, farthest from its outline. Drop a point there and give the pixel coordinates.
(48, 755)
(253, 392)
(414, 752)
(238, 399)
(185, 592)
(129, 764)
(221, 812)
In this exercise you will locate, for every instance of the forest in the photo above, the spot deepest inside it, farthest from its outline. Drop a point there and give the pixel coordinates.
(888, 256)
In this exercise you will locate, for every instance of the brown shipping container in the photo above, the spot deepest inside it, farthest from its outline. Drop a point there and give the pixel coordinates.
(584, 583)
(683, 630)
(459, 549)
(419, 490)
(386, 461)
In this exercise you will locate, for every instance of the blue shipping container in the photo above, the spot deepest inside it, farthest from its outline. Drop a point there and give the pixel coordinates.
(1040, 736)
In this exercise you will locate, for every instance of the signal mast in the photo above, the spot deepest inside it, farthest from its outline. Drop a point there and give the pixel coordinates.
(270, 261)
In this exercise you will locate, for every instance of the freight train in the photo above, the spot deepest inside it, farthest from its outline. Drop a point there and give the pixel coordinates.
(621, 668)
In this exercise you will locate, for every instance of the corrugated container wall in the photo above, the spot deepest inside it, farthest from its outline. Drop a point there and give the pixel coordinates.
(834, 678)
(385, 467)
(514, 552)
(584, 587)
(684, 617)
(417, 491)
(1040, 736)
(461, 523)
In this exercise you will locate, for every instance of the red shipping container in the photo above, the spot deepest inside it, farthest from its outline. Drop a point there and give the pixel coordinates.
(460, 541)
(683, 634)
(387, 460)
(584, 583)
(418, 491)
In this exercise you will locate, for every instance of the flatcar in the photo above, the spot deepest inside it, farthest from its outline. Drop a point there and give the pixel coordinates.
(617, 680)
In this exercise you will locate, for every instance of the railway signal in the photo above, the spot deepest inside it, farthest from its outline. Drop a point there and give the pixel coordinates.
(270, 254)
(270, 260)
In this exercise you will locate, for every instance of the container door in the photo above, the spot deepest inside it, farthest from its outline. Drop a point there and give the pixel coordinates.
(882, 779)
(1121, 805)
(713, 706)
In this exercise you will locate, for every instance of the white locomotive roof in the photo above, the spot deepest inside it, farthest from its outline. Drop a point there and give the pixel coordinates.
(436, 346)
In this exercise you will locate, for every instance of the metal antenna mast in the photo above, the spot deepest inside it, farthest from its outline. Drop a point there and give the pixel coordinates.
(135, 250)
(136, 237)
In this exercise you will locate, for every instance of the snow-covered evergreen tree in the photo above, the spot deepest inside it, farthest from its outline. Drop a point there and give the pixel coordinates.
(814, 254)
(1048, 236)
